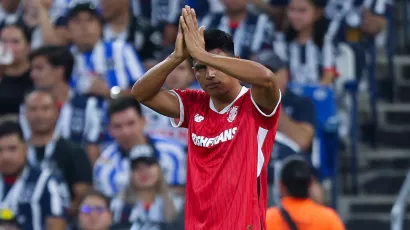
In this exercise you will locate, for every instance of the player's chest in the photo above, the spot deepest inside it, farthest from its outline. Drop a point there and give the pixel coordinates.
(210, 129)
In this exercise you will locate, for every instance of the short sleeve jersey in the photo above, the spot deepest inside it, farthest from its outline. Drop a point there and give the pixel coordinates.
(228, 152)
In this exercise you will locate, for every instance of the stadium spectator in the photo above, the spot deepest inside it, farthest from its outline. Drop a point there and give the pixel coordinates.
(34, 195)
(307, 48)
(99, 66)
(48, 151)
(162, 14)
(146, 201)
(354, 21)
(121, 23)
(251, 32)
(296, 126)
(41, 14)
(15, 70)
(126, 125)
(11, 12)
(297, 210)
(80, 115)
(95, 212)
(203, 7)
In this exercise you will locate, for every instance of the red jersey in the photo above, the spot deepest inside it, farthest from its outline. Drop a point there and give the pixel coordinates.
(228, 152)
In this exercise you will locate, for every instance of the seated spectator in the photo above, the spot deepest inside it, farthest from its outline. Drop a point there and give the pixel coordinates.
(40, 13)
(296, 126)
(99, 66)
(80, 118)
(48, 151)
(146, 201)
(163, 15)
(95, 212)
(297, 210)
(356, 20)
(250, 32)
(34, 194)
(8, 220)
(121, 24)
(15, 71)
(11, 12)
(126, 125)
(308, 50)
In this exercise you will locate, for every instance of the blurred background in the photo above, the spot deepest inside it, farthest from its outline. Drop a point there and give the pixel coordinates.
(66, 72)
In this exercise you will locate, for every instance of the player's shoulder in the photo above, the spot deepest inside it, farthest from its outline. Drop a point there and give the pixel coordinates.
(194, 94)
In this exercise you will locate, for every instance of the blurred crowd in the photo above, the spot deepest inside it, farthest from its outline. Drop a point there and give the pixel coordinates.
(78, 152)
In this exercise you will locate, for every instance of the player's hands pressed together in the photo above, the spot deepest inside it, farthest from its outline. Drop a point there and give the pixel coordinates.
(194, 37)
(181, 51)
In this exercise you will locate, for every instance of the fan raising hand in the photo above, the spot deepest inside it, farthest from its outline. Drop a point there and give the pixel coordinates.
(194, 37)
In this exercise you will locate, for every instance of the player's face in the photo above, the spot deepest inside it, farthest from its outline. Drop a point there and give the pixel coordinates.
(146, 176)
(212, 81)
(181, 77)
(43, 74)
(126, 126)
(94, 214)
(302, 14)
(42, 112)
(12, 154)
(13, 38)
(84, 29)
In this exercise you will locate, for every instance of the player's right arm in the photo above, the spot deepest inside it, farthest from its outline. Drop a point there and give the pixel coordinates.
(147, 90)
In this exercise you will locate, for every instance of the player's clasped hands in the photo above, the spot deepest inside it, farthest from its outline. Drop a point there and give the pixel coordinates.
(193, 37)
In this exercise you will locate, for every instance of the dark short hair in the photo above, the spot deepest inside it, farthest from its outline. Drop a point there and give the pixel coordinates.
(122, 103)
(296, 177)
(57, 56)
(98, 194)
(218, 39)
(23, 28)
(9, 128)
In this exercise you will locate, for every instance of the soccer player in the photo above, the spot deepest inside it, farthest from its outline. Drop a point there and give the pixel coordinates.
(231, 128)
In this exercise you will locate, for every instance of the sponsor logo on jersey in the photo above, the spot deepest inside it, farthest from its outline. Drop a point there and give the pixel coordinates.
(232, 113)
(198, 118)
(225, 136)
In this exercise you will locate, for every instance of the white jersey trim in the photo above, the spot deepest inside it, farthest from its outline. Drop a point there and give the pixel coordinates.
(261, 159)
(226, 109)
(261, 112)
(181, 112)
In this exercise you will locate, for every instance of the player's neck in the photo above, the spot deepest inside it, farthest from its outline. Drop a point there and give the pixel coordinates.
(42, 138)
(221, 102)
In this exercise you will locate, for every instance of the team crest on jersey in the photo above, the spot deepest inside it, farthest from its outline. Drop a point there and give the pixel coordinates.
(232, 113)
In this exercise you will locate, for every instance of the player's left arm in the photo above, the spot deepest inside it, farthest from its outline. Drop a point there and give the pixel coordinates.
(265, 91)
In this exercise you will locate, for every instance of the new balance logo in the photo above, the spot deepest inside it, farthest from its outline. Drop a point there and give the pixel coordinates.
(202, 141)
(198, 118)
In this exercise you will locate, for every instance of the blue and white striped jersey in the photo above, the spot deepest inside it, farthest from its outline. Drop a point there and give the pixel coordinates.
(36, 195)
(116, 62)
(250, 36)
(124, 213)
(348, 14)
(112, 169)
(80, 120)
(307, 61)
